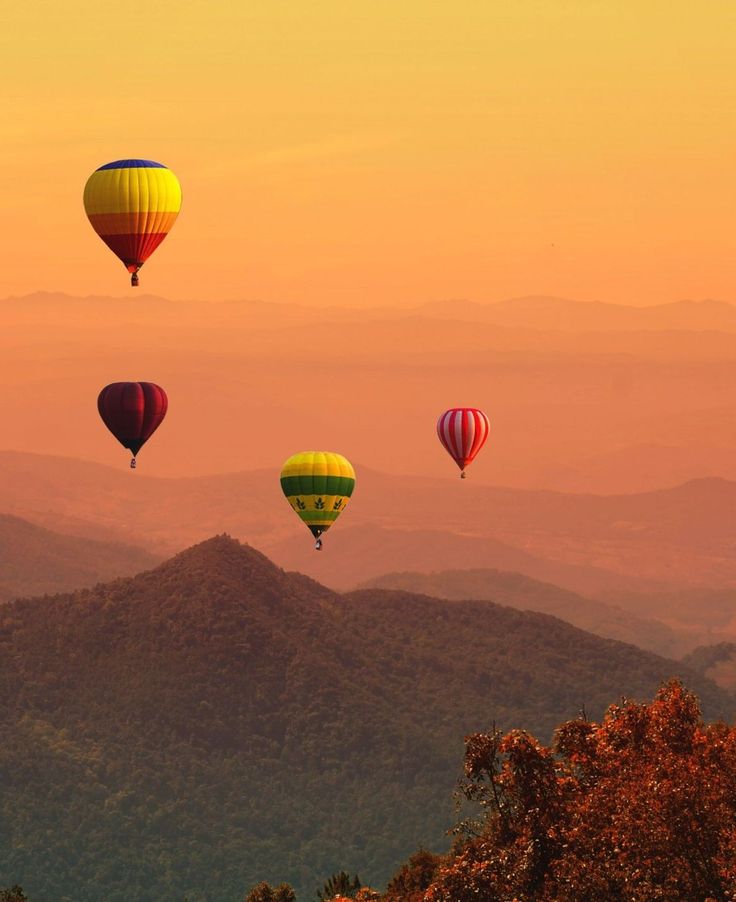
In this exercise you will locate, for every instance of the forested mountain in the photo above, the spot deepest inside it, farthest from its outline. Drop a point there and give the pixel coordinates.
(218, 721)
(34, 560)
(518, 591)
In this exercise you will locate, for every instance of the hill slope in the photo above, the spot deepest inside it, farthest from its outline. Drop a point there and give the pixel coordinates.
(594, 544)
(34, 561)
(216, 721)
(518, 591)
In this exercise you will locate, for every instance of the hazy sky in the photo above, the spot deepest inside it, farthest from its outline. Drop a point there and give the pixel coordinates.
(391, 151)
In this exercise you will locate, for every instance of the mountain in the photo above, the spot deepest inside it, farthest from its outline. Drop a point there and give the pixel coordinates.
(638, 468)
(570, 410)
(356, 554)
(217, 721)
(705, 612)
(682, 536)
(717, 662)
(582, 316)
(34, 561)
(518, 591)
(599, 545)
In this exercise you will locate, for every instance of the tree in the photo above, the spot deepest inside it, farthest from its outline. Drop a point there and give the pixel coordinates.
(641, 806)
(264, 892)
(14, 894)
(414, 877)
(340, 884)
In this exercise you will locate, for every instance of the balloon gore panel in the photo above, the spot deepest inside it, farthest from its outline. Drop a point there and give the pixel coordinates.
(132, 411)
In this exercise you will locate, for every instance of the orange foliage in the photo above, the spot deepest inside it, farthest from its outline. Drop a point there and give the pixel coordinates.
(641, 806)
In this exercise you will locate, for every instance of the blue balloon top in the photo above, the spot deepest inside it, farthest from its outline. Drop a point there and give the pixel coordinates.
(132, 164)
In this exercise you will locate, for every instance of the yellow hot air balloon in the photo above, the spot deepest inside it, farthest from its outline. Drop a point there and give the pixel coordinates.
(318, 485)
(132, 205)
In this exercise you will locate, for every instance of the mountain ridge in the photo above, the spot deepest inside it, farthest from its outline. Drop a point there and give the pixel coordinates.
(522, 592)
(35, 560)
(577, 388)
(642, 541)
(156, 730)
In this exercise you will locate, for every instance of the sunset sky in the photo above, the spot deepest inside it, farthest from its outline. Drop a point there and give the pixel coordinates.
(386, 152)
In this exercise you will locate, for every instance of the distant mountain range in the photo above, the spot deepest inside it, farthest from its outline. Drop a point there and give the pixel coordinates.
(217, 721)
(34, 561)
(529, 312)
(581, 396)
(661, 556)
(717, 662)
(358, 553)
(551, 313)
(602, 546)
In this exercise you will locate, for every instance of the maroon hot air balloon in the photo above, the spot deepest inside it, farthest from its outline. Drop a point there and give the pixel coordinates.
(132, 411)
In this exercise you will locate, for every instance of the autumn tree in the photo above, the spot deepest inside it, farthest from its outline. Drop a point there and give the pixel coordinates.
(656, 812)
(264, 892)
(340, 884)
(413, 878)
(641, 806)
(14, 894)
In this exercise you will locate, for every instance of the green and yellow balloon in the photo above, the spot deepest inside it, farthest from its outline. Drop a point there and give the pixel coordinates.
(318, 485)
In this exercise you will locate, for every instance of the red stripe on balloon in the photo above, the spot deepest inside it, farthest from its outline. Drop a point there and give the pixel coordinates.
(481, 433)
(134, 248)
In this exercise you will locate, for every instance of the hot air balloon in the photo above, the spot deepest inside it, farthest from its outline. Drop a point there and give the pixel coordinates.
(318, 485)
(132, 205)
(463, 431)
(132, 411)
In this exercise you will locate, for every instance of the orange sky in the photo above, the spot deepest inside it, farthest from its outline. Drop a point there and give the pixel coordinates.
(394, 152)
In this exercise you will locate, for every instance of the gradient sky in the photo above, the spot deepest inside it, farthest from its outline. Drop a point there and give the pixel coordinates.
(385, 152)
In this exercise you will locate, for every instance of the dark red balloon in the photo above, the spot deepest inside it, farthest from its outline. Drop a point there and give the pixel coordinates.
(132, 411)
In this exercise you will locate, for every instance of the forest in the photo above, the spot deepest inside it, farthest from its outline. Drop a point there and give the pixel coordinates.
(640, 806)
(218, 722)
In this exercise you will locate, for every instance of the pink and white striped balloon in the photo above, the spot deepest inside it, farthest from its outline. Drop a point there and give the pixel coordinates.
(463, 431)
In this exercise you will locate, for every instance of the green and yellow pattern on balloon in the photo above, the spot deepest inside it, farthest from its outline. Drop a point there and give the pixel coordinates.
(318, 485)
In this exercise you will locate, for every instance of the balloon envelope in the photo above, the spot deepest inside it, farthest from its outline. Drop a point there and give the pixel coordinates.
(318, 485)
(132, 205)
(132, 411)
(463, 431)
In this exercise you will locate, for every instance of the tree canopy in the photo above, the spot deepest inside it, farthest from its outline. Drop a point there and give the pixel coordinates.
(640, 806)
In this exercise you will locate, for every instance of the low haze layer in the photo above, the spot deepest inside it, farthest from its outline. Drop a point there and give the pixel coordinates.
(581, 397)
(665, 555)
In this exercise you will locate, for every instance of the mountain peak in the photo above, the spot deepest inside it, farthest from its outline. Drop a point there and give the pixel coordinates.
(217, 677)
(225, 556)
(222, 572)
(222, 544)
